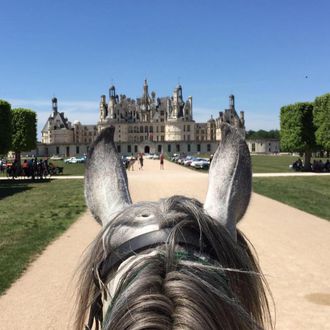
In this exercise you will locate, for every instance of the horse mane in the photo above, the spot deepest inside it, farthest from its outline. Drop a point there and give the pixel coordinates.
(175, 288)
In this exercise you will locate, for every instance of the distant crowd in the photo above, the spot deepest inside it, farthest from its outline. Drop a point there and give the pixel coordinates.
(30, 168)
(316, 166)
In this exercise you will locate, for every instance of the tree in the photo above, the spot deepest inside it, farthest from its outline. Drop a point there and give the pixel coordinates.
(297, 130)
(24, 130)
(322, 121)
(5, 127)
(262, 134)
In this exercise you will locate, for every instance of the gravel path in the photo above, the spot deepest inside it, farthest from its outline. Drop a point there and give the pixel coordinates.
(293, 249)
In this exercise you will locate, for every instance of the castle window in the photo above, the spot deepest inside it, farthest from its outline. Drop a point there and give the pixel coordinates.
(151, 129)
(178, 147)
(146, 129)
(118, 148)
(162, 129)
(208, 147)
(141, 129)
(159, 148)
(129, 148)
(77, 150)
(57, 150)
(135, 148)
(188, 128)
(198, 147)
(188, 147)
(168, 148)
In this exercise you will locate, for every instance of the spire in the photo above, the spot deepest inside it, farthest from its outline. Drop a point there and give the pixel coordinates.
(145, 90)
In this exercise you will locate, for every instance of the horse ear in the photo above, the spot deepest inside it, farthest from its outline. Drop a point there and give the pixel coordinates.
(106, 186)
(230, 180)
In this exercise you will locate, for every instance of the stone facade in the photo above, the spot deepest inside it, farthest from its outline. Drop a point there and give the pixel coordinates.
(264, 146)
(147, 124)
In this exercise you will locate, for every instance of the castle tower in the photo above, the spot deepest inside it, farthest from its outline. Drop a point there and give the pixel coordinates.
(103, 108)
(145, 96)
(54, 106)
(177, 101)
(112, 101)
(231, 102)
(112, 92)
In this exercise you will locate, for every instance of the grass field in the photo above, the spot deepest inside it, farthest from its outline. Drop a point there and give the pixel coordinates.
(32, 215)
(271, 164)
(309, 194)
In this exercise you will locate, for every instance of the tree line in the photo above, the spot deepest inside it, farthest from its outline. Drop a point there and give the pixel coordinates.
(305, 127)
(262, 134)
(18, 129)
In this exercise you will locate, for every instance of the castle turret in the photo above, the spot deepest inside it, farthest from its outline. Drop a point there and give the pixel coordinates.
(231, 102)
(54, 106)
(112, 102)
(103, 108)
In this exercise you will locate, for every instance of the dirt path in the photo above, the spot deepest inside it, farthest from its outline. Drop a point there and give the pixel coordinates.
(293, 248)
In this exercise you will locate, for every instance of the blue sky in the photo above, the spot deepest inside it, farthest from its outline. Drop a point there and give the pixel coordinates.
(259, 50)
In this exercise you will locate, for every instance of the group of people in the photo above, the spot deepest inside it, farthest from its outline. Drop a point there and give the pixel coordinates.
(129, 163)
(30, 168)
(316, 166)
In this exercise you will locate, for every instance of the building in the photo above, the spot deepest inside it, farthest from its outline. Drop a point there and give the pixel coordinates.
(264, 146)
(147, 124)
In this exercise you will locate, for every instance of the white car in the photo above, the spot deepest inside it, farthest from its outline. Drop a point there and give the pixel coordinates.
(75, 160)
(188, 160)
(200, 163)
(55, 157)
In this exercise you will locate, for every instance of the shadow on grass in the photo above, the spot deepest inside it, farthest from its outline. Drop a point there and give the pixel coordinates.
(12, 187)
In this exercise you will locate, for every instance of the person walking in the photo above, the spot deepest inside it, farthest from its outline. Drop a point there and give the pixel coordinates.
(161, 158)
(141, 161)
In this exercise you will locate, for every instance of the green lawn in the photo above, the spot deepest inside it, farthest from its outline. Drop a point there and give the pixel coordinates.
(309, 194)
(31, 216)
(271, 164)
(70, 169)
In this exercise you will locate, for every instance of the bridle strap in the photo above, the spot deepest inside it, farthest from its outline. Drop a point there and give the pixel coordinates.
(184, 237)
(146, 241)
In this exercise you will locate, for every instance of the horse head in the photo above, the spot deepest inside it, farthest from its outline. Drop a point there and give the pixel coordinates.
(174, 263)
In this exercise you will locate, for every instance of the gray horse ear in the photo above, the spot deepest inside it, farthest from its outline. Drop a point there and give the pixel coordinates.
(230, 180)
(106, 185)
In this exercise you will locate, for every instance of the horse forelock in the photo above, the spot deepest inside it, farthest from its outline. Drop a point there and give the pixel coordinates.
(170, 277)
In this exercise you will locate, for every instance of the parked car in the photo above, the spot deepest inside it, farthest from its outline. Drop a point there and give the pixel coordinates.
(56, 157)
(155, 156)
(187, 161)
(200, 163)
(75, 160)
